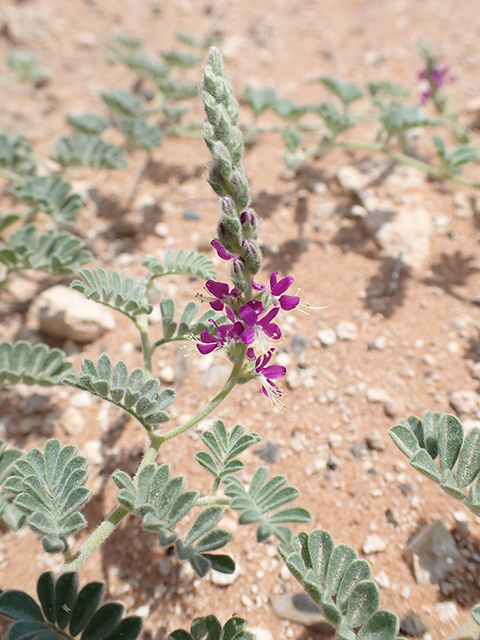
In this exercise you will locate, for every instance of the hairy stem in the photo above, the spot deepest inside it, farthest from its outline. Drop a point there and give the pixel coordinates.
(141, 322)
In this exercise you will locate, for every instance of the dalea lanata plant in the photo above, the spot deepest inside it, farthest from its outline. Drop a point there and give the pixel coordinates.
(45, 489)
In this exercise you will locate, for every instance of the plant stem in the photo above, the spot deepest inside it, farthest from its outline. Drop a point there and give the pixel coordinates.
(405, 159)
(212, 500)
(141, 322)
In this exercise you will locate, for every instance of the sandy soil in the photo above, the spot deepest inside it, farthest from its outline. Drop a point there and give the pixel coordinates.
(430, 325)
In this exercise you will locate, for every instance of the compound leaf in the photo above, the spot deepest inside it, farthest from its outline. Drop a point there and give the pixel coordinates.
(346, 91)
(16, 153)
(90, 124)
(189, 263)
(131, 392)
(397, 118)
(49, 194)
(86, 150)
(121, 293)
(259, 100)
(48, 488)
(21, 362)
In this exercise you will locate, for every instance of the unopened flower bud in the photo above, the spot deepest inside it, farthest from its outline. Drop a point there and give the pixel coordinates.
(252, 255)
(216, 180)
(228, 207)
(235, 145)
(210, 106)
(223, 126)
(228, 237)
(248, 221)
(238, 274)
(239, 187)
(223, 160)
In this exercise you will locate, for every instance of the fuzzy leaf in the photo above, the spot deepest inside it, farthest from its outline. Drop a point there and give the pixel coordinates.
(335, 121)
(85, 150)
(398, 118)
(259, 99)
(139, 133)
(405, 439)
(52, 508)
(346, 91)
(130, 392)
(424, 463)
(188, 263)
(253, 506)
(383, 625)
(362, 603)
(16, 153)
(450, 440)
(469, 460)
(122, 103)
(49, 194)
(88, 123)
(121, 293)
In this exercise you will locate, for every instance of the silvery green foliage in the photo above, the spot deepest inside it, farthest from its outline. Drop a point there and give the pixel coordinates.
(441, 436)
(340, 583)
(48, 488)
(16, 153)
(173, 331)
(189, 263)
(88, 123)
(84, 150)
(209, 628)
(24, 363)
(49, 194)
(9, 513)
(288, 109)
(346, 91)
(263, 497)
(64, 612)
(451, 160)
(57, 253)
(130, 391)
(259, 99)
(224, 448)
(335, 121)
(25, 67)
(7, 220)
(121, 293)
(122, 103)
(398, 118)
(387, 88)
(161, 502)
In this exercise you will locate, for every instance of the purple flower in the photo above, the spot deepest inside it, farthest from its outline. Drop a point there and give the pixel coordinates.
(256, 327)
(225, 333)
(221, 251)
(278, 288)
(266, 374)
(222, 295)
(436, 77)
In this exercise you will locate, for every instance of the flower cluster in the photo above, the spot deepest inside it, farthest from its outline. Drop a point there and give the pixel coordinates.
(250, 308)
(436, 77)
(250, 326)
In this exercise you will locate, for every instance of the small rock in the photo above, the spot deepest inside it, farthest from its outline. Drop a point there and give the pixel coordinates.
(161, 229)
(224, 579)
(373, 544)
(406, 489)
(92, 450)
(332, 463)
(391, 408)
(214, 377)
(464, 205)
(293, 379)
(66, 313)
(378, 344)
(85, 39)
(433, 553)
(298, 607)
(446, 611)
(299, 344)
(375, 441)
(327, 337)
(351, 179)
(167, 375)
(191, 214)
(413, 625)
(464, 401)
(260, 633)
(382, 579)
(359, 450)
(346, 331)
(461, 521)
(405, 592)
(71, 422)
(377, 395)
(285, 573)
(268, 452)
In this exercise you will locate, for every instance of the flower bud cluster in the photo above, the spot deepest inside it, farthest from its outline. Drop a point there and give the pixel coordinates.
(238, 227)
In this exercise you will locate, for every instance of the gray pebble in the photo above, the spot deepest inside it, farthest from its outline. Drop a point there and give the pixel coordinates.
(359, 450)
(375, 440)
(413, 625)
(268, 452)
(191, 214)
(346, 331)
(299, 344)
(327, 337)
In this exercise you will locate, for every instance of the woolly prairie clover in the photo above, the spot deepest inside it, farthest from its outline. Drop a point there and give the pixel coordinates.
(46, 488)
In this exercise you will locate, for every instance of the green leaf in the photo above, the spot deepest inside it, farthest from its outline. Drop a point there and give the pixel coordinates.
(397, 118)
(383, 625)
(122, 103)
(387, 88)
(340, 560)
(26, 68)
(121, 293)
(46, 595)
(139, 133)
(86, 604)
(362, 603)
(57, 253)
(86, 150)
(184, 60)
(469, 460)
(358, 571)
(292, 139)
(49, 194)
(259, 100)
(288, 109)
(335, 121)
(89, 123)
(476, 613)
(450, 440)
(52, 507)
(424, 463)
(65, 596)
(144, 65)
(103, 622)
(188, 263)
(346, 91)
(16, 153)
(261, 498)
(449, 485)
(130, 392)
(19, 605)
(21, 362)
(405, 439)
